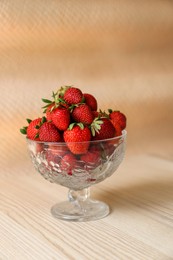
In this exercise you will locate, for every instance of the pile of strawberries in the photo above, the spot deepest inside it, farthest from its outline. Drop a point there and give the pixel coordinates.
(73, 117)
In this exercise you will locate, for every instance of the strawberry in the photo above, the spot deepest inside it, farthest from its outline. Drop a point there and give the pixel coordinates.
(91, 159)
(83, 114)
(102, 129)
(68, 163)
(61, 118)
(77, 138)
(90, 101)
(73, 96)
(48, 111)
(118, 117)
(49, 133)
(32, 129)
(100, 114)
(52, 158)
(39, 147)
(117, 127)
(60, 149)
(55, 153)
(95, 114)
(61, 91)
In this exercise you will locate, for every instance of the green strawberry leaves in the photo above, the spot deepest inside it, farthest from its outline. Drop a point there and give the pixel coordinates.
(56, 102)
(96, 126)
(24, 130)
(28, 120)
(46, 101)
(73, 124)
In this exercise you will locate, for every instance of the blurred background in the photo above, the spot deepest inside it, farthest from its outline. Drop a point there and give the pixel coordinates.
(119, 51)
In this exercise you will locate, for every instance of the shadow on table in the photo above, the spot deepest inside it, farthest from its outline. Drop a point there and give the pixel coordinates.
(148, 196)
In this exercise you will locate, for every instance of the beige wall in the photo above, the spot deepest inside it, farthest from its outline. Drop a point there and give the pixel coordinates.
(121, 51)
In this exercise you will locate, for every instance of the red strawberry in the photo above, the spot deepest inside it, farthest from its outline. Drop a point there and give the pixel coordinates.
(73, 96)
(108, 149)
(55, 153)
(49, 133)
(83, 114)
(61, 118)
(104, 131)
(100, 113)
(118, 117)
(48, 112)
(77, 139)
(90, 101)
(60, 149)
(50, 105)
(68, 163)
(32, 129)
(95, 114)
(117, 127)
(39, 147)
(52, 158)
(91, 159)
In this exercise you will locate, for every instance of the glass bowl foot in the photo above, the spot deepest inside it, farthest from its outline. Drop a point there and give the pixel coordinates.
(85, 211)
(80, 207)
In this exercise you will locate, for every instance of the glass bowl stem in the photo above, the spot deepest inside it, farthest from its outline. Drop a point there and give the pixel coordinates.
(80, 207)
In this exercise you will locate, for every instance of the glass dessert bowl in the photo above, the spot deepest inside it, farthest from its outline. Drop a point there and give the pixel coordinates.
(57, 164)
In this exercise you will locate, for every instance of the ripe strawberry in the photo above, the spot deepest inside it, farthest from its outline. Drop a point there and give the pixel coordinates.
(91, 159)
(60, 149)
(95, 114)
(49, 133)
(73, 96)
(117, 127)
(100, 114)
(90, 101)
(118, 117)
(52, 158)
(77, 138)
(39, 147)
(48, 112)
(50, 105)
(67, 163)
(104, 131)
(32, 129)
(83, 114)
(61, 118)
(55, 153)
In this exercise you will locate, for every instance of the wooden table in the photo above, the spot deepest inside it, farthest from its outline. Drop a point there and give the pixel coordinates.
(140, 225)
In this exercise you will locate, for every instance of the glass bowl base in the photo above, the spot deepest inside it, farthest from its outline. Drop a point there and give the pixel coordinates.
(80, 211)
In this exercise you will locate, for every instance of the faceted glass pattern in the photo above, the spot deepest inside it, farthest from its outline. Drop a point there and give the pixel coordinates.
(57, 164)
